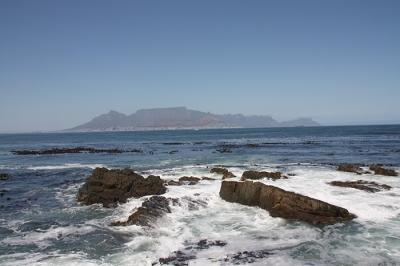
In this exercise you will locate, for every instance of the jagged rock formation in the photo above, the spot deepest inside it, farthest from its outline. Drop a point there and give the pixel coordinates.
(222, 171)
(110, 187)
(262, 174)
(380, 170)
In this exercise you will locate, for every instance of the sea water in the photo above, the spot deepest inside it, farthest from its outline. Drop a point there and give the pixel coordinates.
(41, 223)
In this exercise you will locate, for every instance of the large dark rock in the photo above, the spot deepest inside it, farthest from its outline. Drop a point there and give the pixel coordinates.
(148, 213)
(190, 180)
(380, 170)
(222, 171)
(112, 186)
(262, 174)
(281, 203)
(361, 185)
(352, 168)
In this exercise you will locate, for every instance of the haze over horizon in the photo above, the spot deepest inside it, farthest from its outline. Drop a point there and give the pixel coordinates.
(63, 63)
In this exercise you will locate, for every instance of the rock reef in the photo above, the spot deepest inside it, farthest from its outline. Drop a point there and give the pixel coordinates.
(361, 185)
(284, 204)
(110, 187)
(71, 150)
(380, 170)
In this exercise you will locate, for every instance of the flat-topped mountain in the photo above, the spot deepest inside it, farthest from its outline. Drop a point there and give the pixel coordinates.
(181, 118)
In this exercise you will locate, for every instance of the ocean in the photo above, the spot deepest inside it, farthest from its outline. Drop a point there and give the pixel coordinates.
(41, 223)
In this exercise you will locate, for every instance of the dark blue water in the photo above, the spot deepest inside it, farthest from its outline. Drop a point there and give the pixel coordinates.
(38, 205)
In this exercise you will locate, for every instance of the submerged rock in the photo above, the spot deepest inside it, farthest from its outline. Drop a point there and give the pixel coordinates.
(262, 174)
(4, 176)
(361, 185)
(352, 168)
(190, 180)
(112, 186)
(148, 213)
(380, 170)
(222, 171)
(246, 257)
(281, 203)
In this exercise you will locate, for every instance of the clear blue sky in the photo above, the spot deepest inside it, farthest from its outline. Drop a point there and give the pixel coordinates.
(64, 62)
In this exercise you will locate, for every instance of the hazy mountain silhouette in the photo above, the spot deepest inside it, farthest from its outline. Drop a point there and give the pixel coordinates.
(181, 117)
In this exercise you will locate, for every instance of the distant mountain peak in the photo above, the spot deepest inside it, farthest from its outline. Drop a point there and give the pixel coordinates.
(179, 118)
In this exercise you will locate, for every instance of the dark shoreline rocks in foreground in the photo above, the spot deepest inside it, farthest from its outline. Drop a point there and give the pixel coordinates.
(284, 204)
(262, 174)
(368, 186)
(110, 187)
(148, 213)
(71, 150)
(222, 171)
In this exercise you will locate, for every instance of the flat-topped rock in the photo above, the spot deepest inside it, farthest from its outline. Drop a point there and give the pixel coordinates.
(284, 204)
(147, 214)
(262, 174)
(110, 187)
(222, 171)
(361, 185)
(380, 170)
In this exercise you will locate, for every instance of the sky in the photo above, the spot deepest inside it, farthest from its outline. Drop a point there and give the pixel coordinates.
(64, 62)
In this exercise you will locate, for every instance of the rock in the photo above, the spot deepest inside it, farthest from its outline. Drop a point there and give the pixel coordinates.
(110, 187)
(173, 183)
(4, 176)
(261, 174)
(69, 150)
(178, 258)
(190, 180)
(281, 203)
(379, 170)
(352, 168)
(222, 171)
(148, 213)
(247, 257)
(361, 185)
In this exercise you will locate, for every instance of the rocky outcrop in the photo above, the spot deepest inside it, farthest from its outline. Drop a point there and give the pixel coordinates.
(262, 174)
(284, 204)
(71, 150)
(148, 213)
(351, 168)
(222, 171)
(110, 187)
(4, 176)
(380, 170)
(361, 185)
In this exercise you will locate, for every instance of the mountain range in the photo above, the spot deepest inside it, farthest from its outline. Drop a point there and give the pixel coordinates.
(182, 118)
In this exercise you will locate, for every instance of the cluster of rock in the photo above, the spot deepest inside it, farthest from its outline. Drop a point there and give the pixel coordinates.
(222, 171)
(368, 186)
(376, 168)
(71, 150)
(262, 174)
(281, 203)
(110, 187)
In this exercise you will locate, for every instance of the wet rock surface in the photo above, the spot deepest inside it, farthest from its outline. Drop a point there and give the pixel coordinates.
(71, 150)
(380, 170)
(190, 180)
(351, 168)
(361, 185)
(148, 213)
(262, 174)
(182, 257)
(246, 257)
(110, 187)
(4, 176)
(222, 171)
(284, 204)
